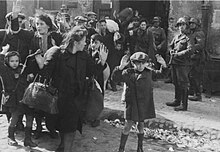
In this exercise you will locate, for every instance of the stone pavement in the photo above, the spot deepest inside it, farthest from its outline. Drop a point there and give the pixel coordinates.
(105, 138)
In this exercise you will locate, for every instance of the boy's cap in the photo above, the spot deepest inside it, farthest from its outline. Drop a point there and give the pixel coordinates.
(139, 56)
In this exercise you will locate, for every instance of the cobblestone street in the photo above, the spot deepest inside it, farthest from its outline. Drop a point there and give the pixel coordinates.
(105, 138)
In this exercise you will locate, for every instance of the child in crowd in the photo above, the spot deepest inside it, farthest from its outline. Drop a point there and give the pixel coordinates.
(10, 69)
(138, 94)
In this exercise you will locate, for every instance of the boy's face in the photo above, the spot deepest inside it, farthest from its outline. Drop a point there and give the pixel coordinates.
(139, 66)
(13, 62)
(95, 44)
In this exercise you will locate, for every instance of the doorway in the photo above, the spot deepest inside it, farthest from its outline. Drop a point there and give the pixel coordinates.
(149, 9)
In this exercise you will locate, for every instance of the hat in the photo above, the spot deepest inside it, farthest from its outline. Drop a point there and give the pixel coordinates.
(80, 18)
(156, 19)
(9, 16)
(194, 20)
(181, 20)
(139, 56)
(91, 13)
(64, 7)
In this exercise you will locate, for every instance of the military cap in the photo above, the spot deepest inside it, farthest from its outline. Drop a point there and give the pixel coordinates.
(140, 57)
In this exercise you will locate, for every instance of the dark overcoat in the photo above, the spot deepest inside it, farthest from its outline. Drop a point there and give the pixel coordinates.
(10, 79)
(138, 93)
(68, 72)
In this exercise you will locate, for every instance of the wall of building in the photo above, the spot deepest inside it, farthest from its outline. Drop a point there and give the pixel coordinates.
(214, 29)
(81, 7)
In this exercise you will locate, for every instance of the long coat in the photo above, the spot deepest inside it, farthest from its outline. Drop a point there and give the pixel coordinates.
(10, 79)
(68, 72)
(138, 93)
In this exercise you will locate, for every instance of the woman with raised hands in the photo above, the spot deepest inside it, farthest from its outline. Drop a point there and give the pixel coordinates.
(69, 66)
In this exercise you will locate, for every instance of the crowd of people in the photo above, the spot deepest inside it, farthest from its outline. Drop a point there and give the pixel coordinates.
(67, 52)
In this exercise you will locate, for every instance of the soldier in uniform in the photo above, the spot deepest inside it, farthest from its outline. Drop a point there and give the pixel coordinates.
(181, 51)
(198, 59)
(159, 36)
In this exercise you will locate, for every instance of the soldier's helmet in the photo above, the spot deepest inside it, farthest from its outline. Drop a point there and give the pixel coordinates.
(139, 57)
(181, 20)
(194, 20)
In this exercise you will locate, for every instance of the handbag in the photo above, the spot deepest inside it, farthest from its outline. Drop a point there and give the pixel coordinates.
(4, 97)
(95, 100)
(41, 96)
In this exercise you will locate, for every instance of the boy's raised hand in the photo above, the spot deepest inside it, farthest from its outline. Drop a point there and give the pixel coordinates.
(124, 62)
(103, 53)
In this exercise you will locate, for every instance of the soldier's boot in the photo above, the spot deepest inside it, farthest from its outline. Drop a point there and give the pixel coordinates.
(177, 100)
(196, 97)
(27, 139)
(123, 142)
(184, 105)
(11, 136)
(140, 142)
